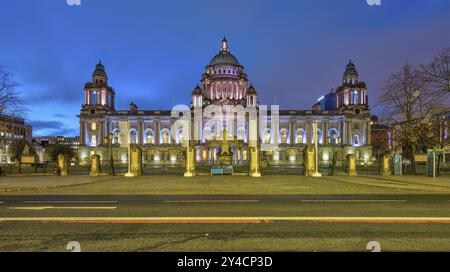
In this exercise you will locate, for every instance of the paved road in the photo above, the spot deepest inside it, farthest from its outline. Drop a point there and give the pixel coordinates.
(243, 206)
(278, 222)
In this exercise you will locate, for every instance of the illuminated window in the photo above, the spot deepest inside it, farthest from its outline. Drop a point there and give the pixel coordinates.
(93, 126)
(356, 140)
(333, 136)
(301, 136)
(94, 140)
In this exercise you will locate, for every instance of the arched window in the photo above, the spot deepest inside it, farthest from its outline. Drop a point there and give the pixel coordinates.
(94, 140)
(148, 136)
(300, 136)
(333, 136)
(116, 136)
(133, 136)
(165, 136)
(267, 136)
(355, 97)
(241, 134)
(356, 138)
(207, 134)
(179, 138)
(284, 136)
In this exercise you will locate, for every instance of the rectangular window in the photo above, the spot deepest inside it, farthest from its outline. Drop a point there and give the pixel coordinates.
(93, 126)
(94, 140)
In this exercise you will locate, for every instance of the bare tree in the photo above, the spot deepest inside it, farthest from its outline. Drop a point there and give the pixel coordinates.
(437, 73)
(408, 107)
(11, 103)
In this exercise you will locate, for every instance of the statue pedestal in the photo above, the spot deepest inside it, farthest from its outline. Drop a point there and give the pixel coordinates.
(95, 166)
(309, 162)
(385, 166)
(62, 164)
(134, 163)
(351, 165)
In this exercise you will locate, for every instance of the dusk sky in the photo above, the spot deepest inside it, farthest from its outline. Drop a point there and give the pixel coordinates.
(155, 51)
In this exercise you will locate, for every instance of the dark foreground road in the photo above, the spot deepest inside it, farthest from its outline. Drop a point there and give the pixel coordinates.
(225, 223)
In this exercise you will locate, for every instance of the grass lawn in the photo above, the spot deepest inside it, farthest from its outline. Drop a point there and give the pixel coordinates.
(203, 185)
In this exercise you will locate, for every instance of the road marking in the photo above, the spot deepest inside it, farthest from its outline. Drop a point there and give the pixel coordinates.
(63, 201)
(202, 220)
(352, 200)
(41, 208)
(213, 201)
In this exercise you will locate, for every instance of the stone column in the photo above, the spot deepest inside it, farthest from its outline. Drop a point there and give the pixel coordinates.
(62, 165)
(253, 143)
(95, 166)
(82, 134)
(254, 162)
(291, 133)
(349, 132)
(308, 132)
(102, 133)
(351, 165)
(369, 134)
(190, 162)
(140, 131)
(325, 132)
(157, 132)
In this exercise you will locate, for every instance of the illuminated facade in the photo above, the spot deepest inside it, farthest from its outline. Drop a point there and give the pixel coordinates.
(343, 130)
(12, 129)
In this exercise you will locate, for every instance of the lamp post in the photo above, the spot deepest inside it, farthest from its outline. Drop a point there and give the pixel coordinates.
(316, 147)
(111, 156)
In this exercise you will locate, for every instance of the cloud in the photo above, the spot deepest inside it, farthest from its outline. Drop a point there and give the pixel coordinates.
(51, 128)
(60, 115)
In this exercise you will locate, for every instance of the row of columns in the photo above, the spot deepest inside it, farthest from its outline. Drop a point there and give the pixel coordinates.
(345, 129)
(103, 97)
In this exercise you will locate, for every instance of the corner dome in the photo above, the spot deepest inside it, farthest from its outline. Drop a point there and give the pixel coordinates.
(99, 70)
(197, 91)
(251, 90)
(350, 70)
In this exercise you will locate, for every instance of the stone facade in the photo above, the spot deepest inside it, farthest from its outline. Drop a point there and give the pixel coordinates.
(341, 131)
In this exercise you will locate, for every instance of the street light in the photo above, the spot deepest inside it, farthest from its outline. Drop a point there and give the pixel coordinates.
(111, 156)
(316, 147)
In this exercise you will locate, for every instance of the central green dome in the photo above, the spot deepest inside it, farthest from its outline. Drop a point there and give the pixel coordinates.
(224, 57)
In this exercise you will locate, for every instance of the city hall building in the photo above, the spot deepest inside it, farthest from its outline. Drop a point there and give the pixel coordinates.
(343, 127)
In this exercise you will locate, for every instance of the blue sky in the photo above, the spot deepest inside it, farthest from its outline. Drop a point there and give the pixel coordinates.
(155, 51)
